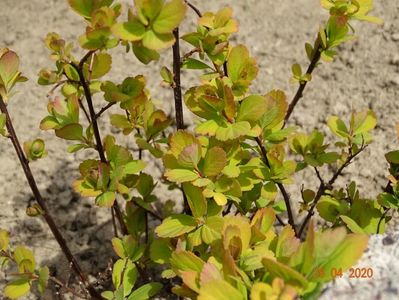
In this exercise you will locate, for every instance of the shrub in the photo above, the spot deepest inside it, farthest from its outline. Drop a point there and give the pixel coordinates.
(239, 235)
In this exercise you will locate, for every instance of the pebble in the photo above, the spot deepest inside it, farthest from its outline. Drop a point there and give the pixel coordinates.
(395, 37)
(395, 60)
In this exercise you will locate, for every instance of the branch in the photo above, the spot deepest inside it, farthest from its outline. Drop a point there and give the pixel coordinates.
(286, 196)
(104, 109)
(99, 145)
(177, 85)
(47, 216)
(323, 187)
(196, 10)
(302, 85)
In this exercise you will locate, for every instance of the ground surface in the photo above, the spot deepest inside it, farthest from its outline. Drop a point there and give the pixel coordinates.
(366, 74)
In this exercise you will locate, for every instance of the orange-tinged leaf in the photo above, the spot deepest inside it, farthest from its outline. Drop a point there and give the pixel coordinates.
(219, 290)
(280, 270)
(214, 162)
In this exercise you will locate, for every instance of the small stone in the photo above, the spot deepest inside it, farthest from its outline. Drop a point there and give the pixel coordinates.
(388, 240)
(395, 60)
(395, 37)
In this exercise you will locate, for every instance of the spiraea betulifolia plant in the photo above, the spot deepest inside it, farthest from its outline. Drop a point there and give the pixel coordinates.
(240, 234)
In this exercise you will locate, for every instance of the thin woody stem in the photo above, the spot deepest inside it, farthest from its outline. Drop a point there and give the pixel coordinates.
(46, 214)
(97, 136)
(196, 10)
(323, 187)
(177, 80)
(286, 196)
(302, 85)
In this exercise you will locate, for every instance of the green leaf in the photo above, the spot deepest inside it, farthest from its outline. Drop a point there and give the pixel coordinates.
(24, 259)
(297, 70)
(106, 199)
(363, 122)
(280, 270)
(170, 17)
(160, 251)
(86, 7)
(134, 167)
(338, 127)
(219, 290)
(158, 41)
(17, 288)
(214, 162)
(132, 30)
(352, 225)
(144, 54)
(232, 131)
(196, 200)
(44, 275)
(73, 132)
(195, 64)
(175, 226)
(101, 65)
(252, 108)
(181, 175)
(35, 149)
(146, 291)
(4, 240)
(338, 250)
(392, 157)
(186, 261)
(71, 72)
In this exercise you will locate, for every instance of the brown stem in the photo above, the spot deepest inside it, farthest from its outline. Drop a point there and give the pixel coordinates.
(46, 215)
(196, 10)
(96, 131)
(66, 288)
(177, 86)
(104, 109)
(286, 196)
(323, 187)
(302, 85)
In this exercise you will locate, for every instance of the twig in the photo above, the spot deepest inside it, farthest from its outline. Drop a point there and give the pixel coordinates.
(319, 176)
(386, 211)
(99, 145)
(84, 110)
(286, 196)
(104, 109)
(196, 10)
(323, 187)
(66, 288)
(302, 85)
(177, 85)
(154, 214)
(47, 216)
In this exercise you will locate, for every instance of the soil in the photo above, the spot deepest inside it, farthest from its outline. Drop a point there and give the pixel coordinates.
(365, 75)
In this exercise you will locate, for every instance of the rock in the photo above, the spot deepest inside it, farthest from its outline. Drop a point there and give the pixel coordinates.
(381, 258)
(395, 37)
(395, 60)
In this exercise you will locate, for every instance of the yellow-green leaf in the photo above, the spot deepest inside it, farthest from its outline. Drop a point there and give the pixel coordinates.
(129, 31)
(195, 199)
(252, 108)
(214, 162)
(219, 290)
(170, 16)
(175, 226)
(17, 288)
